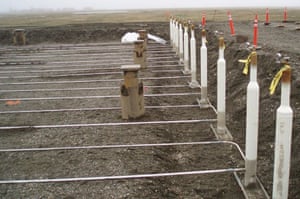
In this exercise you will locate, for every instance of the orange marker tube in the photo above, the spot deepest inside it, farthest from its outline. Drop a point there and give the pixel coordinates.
(285, 15)
(267, 22)
(255, 31)
(203, 20)
(232, 32)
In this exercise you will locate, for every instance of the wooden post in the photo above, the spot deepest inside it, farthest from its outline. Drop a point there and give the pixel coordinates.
(19, 37)
(143, 35)
(139, 55)
(132, 93)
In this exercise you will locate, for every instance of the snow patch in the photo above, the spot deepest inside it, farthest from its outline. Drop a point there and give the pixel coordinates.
(130, 37)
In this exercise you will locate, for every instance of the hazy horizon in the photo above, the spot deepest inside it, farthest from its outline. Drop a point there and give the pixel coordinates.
(15, 6)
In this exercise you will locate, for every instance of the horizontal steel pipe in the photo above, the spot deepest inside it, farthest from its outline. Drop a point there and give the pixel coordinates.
(89, 81)
(93, 109)
(101, 178)
(94, 97)
(107, 124)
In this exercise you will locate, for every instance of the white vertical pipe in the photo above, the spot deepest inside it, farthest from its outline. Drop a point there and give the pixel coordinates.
(171, 32)
(180, 43)
(252, 116)
(203, 69)
(176, 37)
(186, 50)
(284, 123)
(194, 83)
(221, 87)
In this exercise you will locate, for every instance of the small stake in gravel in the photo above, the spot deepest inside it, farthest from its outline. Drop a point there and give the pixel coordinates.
(203, 102)
(283, 138)
(194, 83)
(252, 116)
(180, 43)
(232, 32)
(186, 49)
(139, 54)
(132, 93)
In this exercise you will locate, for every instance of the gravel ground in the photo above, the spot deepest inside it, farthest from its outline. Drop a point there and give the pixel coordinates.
(135, 160)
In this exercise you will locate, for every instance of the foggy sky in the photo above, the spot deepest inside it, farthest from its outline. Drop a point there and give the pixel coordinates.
(16, 5)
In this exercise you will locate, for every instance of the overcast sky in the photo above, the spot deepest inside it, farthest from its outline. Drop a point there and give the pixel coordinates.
(15, 5)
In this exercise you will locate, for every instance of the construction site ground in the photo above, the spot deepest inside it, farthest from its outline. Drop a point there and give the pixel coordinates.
(71, 76)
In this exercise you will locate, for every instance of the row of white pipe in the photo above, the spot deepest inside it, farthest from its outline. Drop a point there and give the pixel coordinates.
(284, 123)
(190, 67)
(284, 112)
(186, 47)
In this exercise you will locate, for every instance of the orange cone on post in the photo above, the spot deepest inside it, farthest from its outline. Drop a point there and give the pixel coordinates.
(255, 31)
(203, 20)
(267, 22)
(232, 32)
(285, 15)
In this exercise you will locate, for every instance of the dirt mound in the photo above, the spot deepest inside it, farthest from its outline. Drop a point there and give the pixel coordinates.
(82, 33)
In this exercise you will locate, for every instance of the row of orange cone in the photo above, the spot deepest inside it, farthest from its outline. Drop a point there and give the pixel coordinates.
(255, 24)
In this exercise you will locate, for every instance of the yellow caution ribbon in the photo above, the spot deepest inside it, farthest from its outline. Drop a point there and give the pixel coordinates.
(277, 77)
(246, 62)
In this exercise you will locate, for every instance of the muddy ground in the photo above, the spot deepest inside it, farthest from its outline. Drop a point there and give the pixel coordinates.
(92, 162)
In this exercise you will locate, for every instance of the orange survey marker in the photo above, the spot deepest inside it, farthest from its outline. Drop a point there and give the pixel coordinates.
(267, 22)
(255, 31)
(232, 32)
(203, 20)
(12, 102)
(285, 15)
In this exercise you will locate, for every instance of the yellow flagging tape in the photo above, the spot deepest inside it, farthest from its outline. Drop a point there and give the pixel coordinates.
(246, 62)
(277, 77)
